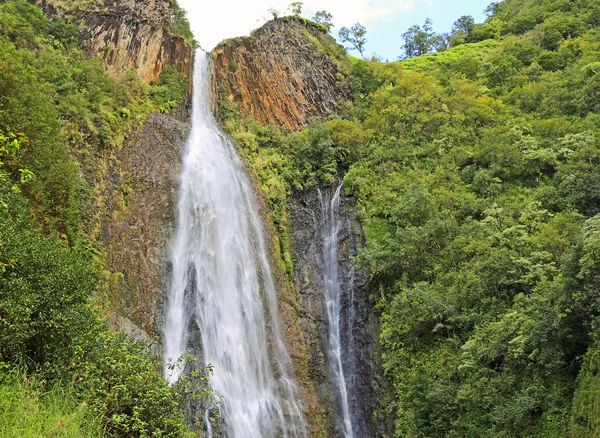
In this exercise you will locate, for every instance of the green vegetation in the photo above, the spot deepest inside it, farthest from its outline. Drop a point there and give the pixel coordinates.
(70, 110)
(295, 8)
(475, 174)
(422, 40)
(171, 88)
(180, 26)
(325, 18)
(28, 408)
(62, 118)
(356, 36)
(48, 325)
(478, 200)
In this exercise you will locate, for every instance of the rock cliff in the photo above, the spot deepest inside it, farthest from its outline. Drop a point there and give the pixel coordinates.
(127, 34)
(360, 327)
(144, 180)
(287, 72)
(135, 187)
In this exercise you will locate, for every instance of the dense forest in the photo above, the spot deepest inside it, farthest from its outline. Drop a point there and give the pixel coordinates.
(475, 172)
(62, 371)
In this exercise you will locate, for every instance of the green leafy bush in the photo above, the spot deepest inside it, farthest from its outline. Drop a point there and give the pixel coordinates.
(171, 90)
(122, 385)
(48, 325)
(44, 305)
(585, 419)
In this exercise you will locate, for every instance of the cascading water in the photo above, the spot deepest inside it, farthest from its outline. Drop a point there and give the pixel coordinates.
(330, 208)
(222, 283)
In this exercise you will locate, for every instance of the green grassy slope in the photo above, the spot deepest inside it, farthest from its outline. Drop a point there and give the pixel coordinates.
(476, 172)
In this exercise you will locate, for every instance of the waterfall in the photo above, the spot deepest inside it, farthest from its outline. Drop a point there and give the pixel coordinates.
(222, 286)
(330, 209)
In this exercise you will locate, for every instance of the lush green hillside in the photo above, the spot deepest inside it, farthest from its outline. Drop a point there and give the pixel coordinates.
(61, 119)
(476, 172)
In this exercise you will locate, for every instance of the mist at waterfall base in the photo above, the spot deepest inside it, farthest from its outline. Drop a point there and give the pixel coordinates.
(222, 287)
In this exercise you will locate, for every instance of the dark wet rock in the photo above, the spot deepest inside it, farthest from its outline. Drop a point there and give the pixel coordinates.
(360, 325)
(137, 238)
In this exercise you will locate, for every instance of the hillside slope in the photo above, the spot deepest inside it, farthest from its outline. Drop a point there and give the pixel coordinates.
(68, 181)
(474, 173)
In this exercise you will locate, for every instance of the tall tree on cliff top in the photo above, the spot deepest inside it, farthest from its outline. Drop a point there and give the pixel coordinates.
(324, 18)
(461, 30)
(296, 8)
(356, 35)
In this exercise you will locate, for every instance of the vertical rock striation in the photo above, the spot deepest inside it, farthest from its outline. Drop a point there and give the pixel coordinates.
(126, 34)
(144, 181)
(287, 72)
(137, 191)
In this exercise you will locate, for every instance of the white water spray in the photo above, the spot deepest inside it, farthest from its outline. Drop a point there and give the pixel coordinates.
(222, 284)
(330, 207)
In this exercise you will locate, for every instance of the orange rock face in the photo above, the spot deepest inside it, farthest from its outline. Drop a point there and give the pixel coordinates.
(287, 72)
(128, 34)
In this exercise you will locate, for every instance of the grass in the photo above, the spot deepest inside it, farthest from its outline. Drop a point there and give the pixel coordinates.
(28, 409)
(449, 58)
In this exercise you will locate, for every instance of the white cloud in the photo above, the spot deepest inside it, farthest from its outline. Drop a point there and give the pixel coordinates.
(214, 20)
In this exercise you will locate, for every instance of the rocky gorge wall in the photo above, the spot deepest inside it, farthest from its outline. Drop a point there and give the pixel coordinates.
(134, 185)
(126, 34)
(361, 330)
(286, 72)
(136, 234)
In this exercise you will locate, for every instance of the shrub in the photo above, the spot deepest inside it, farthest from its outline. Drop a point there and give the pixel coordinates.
(122, 385)
(45, 291)
(171, 89)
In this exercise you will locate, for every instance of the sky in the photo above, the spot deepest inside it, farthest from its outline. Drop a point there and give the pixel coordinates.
(385, 20)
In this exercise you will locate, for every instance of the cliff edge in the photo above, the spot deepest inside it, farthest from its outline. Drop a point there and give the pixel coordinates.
(127, 34)
(134, 183)
(287, 72)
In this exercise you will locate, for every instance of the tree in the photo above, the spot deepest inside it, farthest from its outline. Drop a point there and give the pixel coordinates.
(355, 36)
(461, 30)
(275, 13)
(421, 40)
(441, 42)
(180, 24)
(464, 24)
(324, 18)
(295, 8)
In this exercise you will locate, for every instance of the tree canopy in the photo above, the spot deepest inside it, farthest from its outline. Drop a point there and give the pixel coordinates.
(356, 36)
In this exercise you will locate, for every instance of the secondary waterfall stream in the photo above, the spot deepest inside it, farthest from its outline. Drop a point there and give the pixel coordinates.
(222, 285)
(338, 345)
